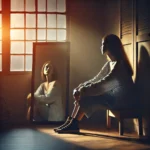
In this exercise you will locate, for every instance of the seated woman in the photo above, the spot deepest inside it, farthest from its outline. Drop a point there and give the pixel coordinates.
(48, 104)
(111, 88)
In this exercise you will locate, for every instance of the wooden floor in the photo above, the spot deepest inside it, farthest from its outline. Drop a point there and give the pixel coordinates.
(44, 138)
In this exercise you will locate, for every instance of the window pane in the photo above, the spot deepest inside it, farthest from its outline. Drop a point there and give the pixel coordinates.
(0, 34)
(17, 20)
(0, 5)
(41, 20)
(30, 21)
(17, 34)
(0, 47)
(30, 5)
(41, 34)
(51, 21)
(17, 5)
(17, 47)
(28, 63)
(61, 5)
(51, 5)
(30, 34)
(61, 21)
(17, 63)
(0, 20)
(29, 47)
(51, 34)
(41, 5)
(61, 35)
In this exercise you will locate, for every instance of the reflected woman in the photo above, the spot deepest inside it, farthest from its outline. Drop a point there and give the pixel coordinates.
(48, 104)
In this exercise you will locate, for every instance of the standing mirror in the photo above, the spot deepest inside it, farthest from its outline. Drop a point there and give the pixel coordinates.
(50, 81)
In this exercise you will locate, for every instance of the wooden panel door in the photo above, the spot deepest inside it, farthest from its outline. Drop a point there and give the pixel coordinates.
(126, 28)
(126, 21)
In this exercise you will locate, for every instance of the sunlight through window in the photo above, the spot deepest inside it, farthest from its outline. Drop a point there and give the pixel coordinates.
(28, 25)
(0, 36)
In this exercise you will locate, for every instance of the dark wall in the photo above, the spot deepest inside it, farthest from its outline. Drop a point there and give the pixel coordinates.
(13, 92)
(143, 83)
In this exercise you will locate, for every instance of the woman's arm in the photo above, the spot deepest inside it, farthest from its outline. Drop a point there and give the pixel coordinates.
(101, 86)
(49, 97)
(100, 75)
(40, 90)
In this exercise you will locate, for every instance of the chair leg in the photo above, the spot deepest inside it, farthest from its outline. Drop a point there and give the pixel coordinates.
(140, 129)
(108, 119)
(121, 129)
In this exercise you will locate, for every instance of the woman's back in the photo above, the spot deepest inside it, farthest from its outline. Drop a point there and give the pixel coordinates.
(123, 89)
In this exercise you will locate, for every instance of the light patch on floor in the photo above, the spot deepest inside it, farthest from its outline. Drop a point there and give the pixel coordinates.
(99, 140)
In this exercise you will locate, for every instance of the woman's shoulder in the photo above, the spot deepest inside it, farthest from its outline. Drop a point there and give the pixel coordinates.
(122, 64)
(55, 83)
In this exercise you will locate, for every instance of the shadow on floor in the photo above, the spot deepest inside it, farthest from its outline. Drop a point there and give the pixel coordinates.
(141, 139)
(31, 139)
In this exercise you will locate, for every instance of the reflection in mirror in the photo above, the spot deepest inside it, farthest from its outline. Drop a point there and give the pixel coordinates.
(48, 98)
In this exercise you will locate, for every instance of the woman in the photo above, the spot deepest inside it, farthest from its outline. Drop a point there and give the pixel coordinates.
(48, 98)
(111, 88)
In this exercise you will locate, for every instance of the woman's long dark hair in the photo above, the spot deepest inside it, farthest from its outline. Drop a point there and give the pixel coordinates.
(115, 47)
(42, 71)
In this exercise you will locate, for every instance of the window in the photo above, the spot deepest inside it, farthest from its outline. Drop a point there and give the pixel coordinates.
(33, 21)
(0, 35)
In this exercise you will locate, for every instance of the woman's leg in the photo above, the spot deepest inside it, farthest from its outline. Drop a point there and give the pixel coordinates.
(86, 106)
(75, 109)
(71, 125)
(76, 114)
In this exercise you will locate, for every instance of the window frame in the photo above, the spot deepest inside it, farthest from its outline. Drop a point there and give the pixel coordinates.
(6, 27)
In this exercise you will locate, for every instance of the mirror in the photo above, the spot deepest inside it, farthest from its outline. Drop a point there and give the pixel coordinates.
(50, 81)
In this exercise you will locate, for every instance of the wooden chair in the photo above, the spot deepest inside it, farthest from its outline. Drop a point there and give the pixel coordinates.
(124, 114)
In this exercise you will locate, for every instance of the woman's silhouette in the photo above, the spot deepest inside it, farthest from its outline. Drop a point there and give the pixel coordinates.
(111, 88)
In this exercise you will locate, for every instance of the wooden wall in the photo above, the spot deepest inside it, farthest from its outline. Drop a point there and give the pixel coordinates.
(135, 35)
